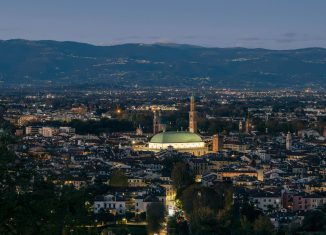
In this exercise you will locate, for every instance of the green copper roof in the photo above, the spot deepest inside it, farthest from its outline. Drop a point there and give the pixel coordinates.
(176, 137)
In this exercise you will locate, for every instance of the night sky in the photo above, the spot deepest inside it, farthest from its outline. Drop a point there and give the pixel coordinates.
(276, 24)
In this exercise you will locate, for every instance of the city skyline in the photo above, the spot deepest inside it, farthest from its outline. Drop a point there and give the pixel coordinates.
(166, 117)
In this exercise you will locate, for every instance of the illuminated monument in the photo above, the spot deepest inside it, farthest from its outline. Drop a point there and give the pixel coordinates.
(192, 116)
(181, 141)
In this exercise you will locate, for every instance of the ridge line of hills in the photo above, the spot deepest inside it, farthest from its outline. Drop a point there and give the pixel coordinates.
(74, 63)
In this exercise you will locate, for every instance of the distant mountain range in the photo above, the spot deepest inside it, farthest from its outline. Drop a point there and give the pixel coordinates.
(72, 63)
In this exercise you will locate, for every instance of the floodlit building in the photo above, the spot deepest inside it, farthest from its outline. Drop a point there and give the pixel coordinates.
(111, 203)
(217, 144)
(182, 141)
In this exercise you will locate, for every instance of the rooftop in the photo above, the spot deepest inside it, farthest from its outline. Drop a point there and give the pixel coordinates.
(176, 137)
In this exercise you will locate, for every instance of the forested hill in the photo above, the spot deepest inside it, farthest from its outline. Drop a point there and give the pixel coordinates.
(72, 63)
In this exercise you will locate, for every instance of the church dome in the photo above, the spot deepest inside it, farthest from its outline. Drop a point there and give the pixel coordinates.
(176, 137)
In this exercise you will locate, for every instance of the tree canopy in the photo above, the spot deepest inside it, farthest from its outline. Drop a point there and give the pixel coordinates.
(155, 216)
(181, 176)
(118, 179)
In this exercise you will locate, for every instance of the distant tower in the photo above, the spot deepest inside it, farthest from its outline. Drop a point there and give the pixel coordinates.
(192, 116)
(217, 143)
(240, 126)
(139, 130)
(156, 122)
(248, 124)
(288, 141)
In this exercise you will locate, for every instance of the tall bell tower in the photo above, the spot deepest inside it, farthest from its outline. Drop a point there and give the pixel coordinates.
(192, 116)
(248, 124)
(156, 122)
(288, 141)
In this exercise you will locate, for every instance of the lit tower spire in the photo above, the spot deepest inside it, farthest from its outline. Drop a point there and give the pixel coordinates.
(248, 124)
(288, 141)
(192, 116)
(156, 122)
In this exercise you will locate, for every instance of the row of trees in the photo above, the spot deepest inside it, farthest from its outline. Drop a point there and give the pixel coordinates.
(213, 211)
(129, 121)
(155, 215)
(30, 205)
(104, 125)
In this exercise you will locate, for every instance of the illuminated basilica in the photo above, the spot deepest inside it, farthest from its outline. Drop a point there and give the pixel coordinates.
(181, 141)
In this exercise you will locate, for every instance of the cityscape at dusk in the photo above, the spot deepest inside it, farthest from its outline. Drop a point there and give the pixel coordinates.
(162, 117)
